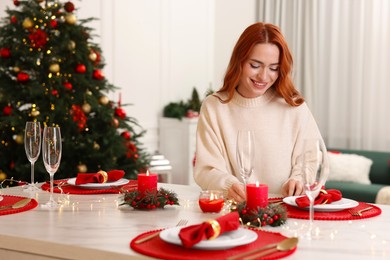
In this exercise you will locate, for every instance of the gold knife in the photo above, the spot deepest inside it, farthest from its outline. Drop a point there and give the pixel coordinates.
(17, 205)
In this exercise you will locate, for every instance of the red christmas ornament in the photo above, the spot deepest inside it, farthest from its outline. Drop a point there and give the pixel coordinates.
(67, 85)
(120, 112)
(14, 19)
(53, 23)
(22, 77)
(79, 117)
(97, 74)
(69, 7)
(80, 68)
(5, 53)
(126, 135)
(38, 38)
(54, 92)
(16, 2)
(7, 110)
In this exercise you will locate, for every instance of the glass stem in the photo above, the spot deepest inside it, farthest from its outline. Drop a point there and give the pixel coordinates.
(32, 173)
(311, 213)
(51, 186)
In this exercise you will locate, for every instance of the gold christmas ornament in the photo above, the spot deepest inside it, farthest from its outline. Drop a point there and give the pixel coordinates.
(71, 45)
(86, 108)
(92, 56)
(82, 168)
(88, 92)
(55, 67)
(35, 113)
(18, 139)
(96, 146)
(27, 23)
(16, 69)
(70, 18)
(103, 100)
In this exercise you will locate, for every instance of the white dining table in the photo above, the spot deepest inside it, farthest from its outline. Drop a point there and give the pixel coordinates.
(97, 227)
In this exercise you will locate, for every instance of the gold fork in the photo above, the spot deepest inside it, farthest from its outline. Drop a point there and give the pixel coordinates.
(358, 213)
(181, 222)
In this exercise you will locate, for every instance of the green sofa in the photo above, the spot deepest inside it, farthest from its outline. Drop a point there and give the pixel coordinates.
(379, 176)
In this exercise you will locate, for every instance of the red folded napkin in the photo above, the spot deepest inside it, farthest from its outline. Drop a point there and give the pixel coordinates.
(209, 229)
(99, 177)
(324, 197)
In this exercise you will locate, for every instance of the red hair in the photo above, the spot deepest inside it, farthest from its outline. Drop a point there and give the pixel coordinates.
(255, 34)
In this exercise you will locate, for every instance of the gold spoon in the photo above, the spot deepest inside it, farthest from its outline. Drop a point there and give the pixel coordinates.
(17, 205)
(284, 245)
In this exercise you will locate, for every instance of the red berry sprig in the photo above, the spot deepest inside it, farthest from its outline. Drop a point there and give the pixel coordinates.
(152, 200)
(273, 215)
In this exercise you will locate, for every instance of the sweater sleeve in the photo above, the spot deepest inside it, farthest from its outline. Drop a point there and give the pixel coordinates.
(308, 128)
(212, 170)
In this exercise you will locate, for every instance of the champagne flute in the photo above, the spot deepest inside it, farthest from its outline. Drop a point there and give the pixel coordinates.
(51, 152)
(315, 172)
(245, 154)
(32, 146)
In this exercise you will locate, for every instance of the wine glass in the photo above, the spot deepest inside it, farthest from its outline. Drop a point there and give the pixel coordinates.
(51, 152)
(245, 154)
(315, 172)
(32, 146)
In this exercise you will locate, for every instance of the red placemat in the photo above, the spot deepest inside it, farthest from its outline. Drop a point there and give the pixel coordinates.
(295, 212)
(61, 186)
(10, 200)
(158, 248)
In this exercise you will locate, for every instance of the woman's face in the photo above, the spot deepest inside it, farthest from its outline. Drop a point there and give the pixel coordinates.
(259, 71)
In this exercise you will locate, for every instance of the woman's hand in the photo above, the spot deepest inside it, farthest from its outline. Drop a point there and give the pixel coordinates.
(292, 188)
(237, 193)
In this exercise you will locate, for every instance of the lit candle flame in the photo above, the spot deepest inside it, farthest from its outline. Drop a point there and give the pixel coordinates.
(257, 184)
(147, 173)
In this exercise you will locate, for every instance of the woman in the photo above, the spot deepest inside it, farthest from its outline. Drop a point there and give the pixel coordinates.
(257, 94)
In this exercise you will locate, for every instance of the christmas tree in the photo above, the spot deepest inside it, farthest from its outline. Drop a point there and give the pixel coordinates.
(51, 72)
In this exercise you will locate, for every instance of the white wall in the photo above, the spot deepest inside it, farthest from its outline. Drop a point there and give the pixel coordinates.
(156, 51)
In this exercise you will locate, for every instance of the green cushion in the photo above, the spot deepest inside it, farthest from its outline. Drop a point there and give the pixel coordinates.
(356, 191)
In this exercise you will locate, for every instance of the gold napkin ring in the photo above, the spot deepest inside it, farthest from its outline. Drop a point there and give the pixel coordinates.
(325, 192)
(216, 228)
(104, 174)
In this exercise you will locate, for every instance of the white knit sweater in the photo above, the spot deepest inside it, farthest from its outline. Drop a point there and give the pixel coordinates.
(280, 129)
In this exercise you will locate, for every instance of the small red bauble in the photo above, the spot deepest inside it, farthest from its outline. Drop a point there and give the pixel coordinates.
(54, 92)
(16, 2)
(126, 135)
(23, 77)
(5, 53)
(69, 7)
(120, 112)
(53, 23)
(14, 19)
(7, 110)
(80, 68)
(97, 74)
(67, 85)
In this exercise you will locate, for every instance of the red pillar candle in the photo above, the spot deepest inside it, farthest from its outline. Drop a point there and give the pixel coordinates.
(256, 195)
(147, 183)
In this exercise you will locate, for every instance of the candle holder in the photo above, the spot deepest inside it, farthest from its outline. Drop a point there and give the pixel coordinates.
(211, 201)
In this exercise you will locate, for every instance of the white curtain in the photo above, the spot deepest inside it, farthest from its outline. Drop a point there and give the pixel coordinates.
(341, 52)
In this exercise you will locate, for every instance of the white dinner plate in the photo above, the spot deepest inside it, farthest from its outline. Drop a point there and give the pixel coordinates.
(119, 182)
(227, 240)
(334, 206)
